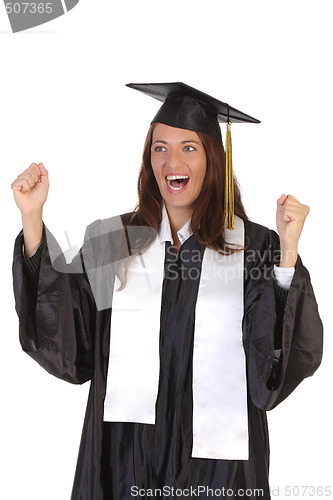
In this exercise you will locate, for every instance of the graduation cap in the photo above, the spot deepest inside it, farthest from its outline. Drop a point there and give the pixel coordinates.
(188, 108)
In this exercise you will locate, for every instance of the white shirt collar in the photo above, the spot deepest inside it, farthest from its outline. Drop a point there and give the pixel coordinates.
(165, 230)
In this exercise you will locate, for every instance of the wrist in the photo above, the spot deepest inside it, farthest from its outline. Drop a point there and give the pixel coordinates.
(288, 256)
(32, 217)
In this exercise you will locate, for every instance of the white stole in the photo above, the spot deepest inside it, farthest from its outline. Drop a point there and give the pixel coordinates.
(220, 426)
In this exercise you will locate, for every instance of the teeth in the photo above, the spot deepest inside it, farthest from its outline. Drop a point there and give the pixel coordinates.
(175, 177)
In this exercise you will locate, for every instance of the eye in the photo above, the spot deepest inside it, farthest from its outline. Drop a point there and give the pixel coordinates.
(189, 148)
(159, 149)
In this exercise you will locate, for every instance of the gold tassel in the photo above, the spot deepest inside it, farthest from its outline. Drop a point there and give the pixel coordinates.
(229, 183)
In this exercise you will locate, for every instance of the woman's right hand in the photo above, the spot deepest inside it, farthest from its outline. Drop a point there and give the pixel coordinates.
(30, 189)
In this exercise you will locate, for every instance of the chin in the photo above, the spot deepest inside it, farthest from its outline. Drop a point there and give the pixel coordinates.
(177, 204)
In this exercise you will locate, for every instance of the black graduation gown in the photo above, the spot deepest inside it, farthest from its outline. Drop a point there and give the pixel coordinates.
(64, 332)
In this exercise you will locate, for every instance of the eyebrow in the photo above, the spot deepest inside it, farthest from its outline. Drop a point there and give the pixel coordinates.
(182, 142)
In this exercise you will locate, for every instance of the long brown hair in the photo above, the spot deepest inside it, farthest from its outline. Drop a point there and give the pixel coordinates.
(207, 220)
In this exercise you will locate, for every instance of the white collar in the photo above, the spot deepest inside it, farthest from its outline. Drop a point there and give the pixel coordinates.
(165, 230)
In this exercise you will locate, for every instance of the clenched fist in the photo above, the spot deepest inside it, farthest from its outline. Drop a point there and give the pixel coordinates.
(290, 218)
(30, 189)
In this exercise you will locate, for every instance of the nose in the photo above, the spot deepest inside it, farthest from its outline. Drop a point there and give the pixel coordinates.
(174, 159)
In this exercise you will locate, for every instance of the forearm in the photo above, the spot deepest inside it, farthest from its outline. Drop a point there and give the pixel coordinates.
(32, 232)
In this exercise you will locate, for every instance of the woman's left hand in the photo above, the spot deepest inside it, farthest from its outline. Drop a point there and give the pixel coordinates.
(290, 217)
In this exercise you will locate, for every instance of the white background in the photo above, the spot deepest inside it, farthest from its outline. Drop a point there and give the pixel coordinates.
(64, 102)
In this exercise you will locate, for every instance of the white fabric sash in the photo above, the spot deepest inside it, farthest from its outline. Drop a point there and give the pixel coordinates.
(220, 427)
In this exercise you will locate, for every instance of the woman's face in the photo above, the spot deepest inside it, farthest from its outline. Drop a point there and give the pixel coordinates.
(179, 163)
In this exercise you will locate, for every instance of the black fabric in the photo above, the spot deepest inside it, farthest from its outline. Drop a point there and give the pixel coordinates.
(31, 266)
(70, 338)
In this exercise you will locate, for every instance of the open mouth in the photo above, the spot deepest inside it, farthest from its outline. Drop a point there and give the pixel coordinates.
(177, 182)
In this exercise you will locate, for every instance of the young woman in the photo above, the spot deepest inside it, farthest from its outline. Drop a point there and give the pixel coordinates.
(209, 327)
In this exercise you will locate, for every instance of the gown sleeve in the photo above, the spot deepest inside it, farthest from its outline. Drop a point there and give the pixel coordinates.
(56, 308)
(282, 330)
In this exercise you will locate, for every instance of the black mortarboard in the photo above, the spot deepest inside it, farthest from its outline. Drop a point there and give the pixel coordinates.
(188, 108)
